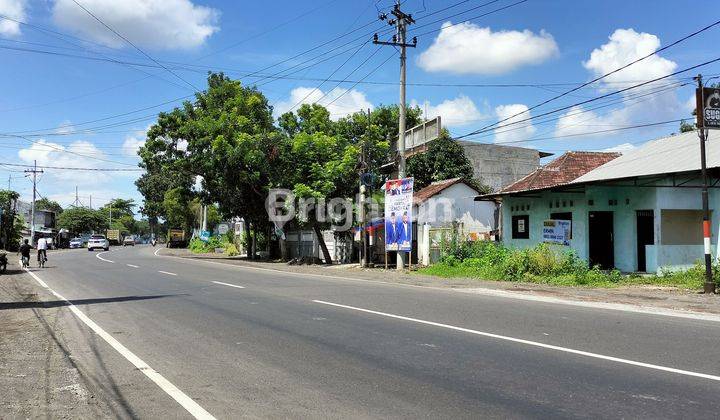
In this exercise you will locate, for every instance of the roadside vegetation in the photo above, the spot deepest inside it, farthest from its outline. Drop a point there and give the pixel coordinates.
(545, 264)
(224, 242)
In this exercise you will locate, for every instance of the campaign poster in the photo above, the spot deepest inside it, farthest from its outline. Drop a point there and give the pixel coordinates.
(398, 214)
(557, 232)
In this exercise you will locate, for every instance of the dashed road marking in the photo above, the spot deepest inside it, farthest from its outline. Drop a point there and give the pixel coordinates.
(167, 272)
(530, 343)
(132, 265)
(228, 284)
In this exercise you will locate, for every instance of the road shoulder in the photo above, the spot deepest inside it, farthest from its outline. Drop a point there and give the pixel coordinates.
(647, 299)
(38, 375)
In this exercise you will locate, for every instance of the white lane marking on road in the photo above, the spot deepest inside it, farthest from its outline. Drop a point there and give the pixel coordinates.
(185, 401)
(167, 272)
(624, 307)
(156, 252)
(530, 343)
(228, 284)
(98, 255)
(132, 265)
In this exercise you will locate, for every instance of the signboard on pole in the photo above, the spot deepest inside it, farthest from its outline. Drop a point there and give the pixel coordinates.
(398, 214)
(708, 107)
(557, 232)
(420, 135)
(223, 228)
(205, 235)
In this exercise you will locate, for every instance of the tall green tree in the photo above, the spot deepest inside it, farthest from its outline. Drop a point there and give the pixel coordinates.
(47, 204)
(11, 224)
(80, 220)
(444, 159)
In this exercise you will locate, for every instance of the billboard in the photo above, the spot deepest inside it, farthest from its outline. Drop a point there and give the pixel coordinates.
(419, 135)
(708, 107)
(398, 214)
(557, 232)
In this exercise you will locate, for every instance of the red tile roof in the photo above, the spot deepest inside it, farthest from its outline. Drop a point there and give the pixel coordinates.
(435, 188)
(561, 171)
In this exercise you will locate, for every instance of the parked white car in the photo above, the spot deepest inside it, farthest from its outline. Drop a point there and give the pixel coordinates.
(76, 243)
(98, 241)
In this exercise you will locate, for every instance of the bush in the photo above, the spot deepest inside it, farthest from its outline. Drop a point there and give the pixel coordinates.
(231, 250)
(198, 246)
(547, 264)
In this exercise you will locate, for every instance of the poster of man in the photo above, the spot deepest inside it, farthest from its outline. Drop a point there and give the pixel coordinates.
(398, 214)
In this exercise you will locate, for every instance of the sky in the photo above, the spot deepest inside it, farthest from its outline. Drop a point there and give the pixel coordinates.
(75, 92)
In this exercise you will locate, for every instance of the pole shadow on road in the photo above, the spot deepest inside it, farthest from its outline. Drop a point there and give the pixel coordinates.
(77, 302)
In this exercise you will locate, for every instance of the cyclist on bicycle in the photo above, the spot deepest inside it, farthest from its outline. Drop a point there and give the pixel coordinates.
(42, 251)
(25, 253)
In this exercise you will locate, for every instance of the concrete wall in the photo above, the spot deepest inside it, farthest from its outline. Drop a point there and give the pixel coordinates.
(629, 200)
(497, 165)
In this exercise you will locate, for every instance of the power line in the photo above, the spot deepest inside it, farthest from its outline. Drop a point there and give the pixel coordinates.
(606, 75)
(486, 129)
(71, 168)
(134, 46)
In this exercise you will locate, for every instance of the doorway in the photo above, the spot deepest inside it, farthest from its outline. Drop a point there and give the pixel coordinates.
(645, 236)
(600, 236)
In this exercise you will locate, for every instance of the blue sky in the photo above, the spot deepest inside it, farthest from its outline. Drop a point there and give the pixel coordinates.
(59, 88)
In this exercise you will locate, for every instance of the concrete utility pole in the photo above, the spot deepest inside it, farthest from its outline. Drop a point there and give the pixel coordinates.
(204, 219)
(709, 286)
(34, 171)
(401, 21)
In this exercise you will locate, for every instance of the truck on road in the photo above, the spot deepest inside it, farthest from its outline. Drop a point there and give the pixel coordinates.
(176, 238)
(113, 236)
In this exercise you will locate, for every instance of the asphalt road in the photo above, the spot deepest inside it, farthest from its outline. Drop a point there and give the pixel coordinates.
(241, 342)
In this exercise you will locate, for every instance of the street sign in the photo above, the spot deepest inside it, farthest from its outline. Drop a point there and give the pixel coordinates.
(708, 107)
(223, 228)
(205, 235)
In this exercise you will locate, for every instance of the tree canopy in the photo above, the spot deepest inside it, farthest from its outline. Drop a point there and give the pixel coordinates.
(80, 220)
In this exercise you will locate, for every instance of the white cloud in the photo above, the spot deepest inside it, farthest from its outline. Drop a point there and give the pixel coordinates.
(454, 112)
(625, 46)
(14, 9)
(349, 102)
(131, 145)
(636, 106)
(159, 24)
(468, 48)
(622, 148)
(76, 154)
(65, 127)
(578, 120)
(514, 133)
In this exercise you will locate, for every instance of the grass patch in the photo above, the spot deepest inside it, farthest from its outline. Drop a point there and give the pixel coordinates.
(545, 264)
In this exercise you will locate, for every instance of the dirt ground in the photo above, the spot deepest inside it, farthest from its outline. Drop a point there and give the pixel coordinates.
(641, 296)
(38, 377)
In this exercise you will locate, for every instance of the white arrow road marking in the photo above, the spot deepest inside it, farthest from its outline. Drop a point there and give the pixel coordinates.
(98, 255)
(531, 343)
(228, 284)
(185, 401)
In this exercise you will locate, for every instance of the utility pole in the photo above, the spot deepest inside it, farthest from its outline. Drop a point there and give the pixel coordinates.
(90, 201)
(401, 21)
(709, 286)
(77, 198)
(34, 171)
(204, 218)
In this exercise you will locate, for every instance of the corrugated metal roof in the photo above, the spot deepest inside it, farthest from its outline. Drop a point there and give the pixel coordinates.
(679, 153)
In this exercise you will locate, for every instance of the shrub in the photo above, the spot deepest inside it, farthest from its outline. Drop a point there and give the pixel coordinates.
(231, 250)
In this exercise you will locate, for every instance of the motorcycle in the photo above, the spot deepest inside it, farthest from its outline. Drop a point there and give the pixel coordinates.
(3, 262)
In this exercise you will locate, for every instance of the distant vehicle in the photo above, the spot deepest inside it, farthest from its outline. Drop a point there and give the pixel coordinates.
(76, 243)
(129, 241)
(98, 241)
(176, 238)
(113, 236)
